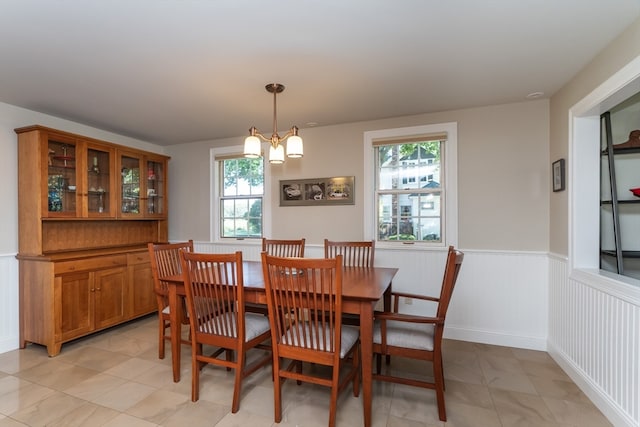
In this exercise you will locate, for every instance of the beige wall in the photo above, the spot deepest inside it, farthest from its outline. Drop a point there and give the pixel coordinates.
(503, 167)
(619, 53)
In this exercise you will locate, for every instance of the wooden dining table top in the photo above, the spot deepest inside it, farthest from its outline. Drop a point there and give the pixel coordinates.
(362, 283)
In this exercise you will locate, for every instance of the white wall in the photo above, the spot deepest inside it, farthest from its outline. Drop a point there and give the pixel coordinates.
(503, 179)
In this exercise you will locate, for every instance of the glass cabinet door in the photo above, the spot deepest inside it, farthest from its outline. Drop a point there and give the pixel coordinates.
(99, 187)
(130, 185)
(156, 187)
(61, 177)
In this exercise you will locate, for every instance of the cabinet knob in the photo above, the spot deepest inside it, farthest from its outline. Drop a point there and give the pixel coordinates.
(93, 290)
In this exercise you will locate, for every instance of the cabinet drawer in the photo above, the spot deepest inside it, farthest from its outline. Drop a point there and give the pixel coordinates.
(96, 263)
(138, 258)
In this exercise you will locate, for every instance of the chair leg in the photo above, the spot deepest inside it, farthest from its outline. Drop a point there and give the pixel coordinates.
(277, 391)
(237, 386)
(161, 330)
(195, 374)
(438, 376)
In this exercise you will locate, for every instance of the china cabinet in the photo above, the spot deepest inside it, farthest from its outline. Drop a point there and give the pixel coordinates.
(87, 209)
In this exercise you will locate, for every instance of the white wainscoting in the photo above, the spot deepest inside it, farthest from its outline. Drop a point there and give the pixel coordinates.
(594, 335)
(501, 297)
(9, 314)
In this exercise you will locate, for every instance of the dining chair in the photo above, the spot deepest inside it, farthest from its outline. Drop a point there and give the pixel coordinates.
(354, 253)
(417, 337)
(165, 261)
(297, 289)
(215, 301)
(283, 248)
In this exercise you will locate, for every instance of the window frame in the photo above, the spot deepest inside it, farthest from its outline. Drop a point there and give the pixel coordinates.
(216, 195)
(449, 219)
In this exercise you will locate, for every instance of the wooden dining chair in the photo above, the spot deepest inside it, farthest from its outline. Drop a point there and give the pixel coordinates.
(165, 261)
(418, 337)
(283, 248)
(297, 290)
(215, 301)
(354, 253)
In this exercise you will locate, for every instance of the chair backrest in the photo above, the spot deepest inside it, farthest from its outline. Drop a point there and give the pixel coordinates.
(354, 253)
(304, 296)
(165, 261)
(283, 248)
(451, 270)
(215, 294)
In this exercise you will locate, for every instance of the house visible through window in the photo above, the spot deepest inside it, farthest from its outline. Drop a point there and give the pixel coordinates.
(241, 195)
(409, 189)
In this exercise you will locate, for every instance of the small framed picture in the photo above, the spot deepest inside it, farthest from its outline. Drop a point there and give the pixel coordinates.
(557, 176)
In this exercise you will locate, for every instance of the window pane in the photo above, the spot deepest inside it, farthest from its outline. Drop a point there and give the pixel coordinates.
(242, 177)
(409, 192)
(242, 217)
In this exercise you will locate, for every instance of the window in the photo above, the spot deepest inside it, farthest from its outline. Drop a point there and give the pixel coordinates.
(412, 172)
(239, 184)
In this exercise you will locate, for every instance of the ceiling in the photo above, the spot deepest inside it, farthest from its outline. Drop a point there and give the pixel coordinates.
(177, 71)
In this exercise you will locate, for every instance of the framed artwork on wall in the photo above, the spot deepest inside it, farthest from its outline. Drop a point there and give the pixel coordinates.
(337, 190)
(557, 177)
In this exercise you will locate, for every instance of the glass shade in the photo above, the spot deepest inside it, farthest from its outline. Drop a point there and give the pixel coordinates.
(276, 155)
(294, 146)
(252, 147)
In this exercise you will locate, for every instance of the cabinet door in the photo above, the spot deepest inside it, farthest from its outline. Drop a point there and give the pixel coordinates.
(156, 183)
(130, 165)
(99, 189)
(143, 297)
(76, 298)
(60, 182)
(110, 307)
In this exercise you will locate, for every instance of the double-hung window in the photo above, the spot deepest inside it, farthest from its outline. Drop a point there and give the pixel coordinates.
(240, 184)
(413, 176)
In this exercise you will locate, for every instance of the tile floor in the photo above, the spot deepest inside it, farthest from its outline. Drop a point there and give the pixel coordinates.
(115, 378)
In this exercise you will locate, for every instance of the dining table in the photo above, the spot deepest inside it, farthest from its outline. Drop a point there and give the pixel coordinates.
(362, 288)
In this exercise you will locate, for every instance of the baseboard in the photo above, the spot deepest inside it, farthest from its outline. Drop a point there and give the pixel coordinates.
(495, 338)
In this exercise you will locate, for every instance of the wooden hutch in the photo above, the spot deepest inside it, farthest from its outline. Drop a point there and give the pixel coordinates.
(87, 209)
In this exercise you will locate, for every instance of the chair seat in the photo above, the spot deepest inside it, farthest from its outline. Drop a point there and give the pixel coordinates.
(418, 336)
(348, 336)
(254, 324)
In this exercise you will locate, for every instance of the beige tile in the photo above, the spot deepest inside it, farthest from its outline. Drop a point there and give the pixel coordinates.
(468, 394)
(18, 360)
(527, 406)
(124, 396)
(158, 406)
(46, 411)
(532, 355)
(86, 415)
(559, 389)
(8, 422)
(94, 387)
(57, 374)
(414, 403)
(576, 414)
(198, 414)
(461, 415)
(129, 421)
(20, 394)
(92, 358)
(242, 419)
(131, 368)
(549, 370)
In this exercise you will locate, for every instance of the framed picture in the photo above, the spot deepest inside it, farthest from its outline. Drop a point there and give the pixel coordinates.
(557, 168)
(337, 190)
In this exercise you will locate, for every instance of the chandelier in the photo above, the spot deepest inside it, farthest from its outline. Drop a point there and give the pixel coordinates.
(252, 143)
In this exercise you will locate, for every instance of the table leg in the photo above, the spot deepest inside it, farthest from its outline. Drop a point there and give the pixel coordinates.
(366, 349)
(175, 314)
